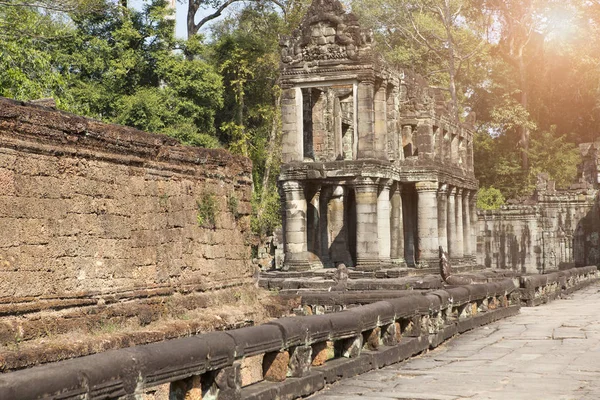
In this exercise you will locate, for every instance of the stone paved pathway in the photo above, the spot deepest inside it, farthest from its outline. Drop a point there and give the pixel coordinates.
(547, 352)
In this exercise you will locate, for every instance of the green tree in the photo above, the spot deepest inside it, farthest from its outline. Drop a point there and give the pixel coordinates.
(442, 39)
(489, 198)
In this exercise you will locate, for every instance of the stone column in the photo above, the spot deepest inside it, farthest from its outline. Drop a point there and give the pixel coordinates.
(427, 222)
(467, 225)
(459, 238)
(324, 224)
(366, 120)
(380, 108)
(292, 125)
(337, 229)
(474, 222)
(442, 202)
(451, 221)
(383, 221)
(296, 254)
(367, 248)
(313, 225)
(397, 226)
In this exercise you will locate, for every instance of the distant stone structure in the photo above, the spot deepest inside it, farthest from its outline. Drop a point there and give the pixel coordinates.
(377, 170)
(554, 229)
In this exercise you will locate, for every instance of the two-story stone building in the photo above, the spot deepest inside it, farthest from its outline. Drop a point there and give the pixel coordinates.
(377, 170)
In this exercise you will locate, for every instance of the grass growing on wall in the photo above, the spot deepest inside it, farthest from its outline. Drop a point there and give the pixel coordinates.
(207, 210)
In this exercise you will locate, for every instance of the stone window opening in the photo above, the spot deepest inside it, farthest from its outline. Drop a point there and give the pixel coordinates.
(328, 120)
(461, 151)
(410, 150)
(454, 148)
(307, 117)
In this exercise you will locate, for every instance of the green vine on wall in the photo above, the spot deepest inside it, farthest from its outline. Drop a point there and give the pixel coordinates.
(233, 204)
(207, 211)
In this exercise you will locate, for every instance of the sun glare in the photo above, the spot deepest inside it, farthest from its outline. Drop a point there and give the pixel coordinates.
(561, 24)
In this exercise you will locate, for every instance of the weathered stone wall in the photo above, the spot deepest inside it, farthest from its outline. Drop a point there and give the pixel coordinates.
(93, 215)
(558, 230)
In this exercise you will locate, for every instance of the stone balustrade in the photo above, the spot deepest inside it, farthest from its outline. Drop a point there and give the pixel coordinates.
(292, 356)
(285, 358)
(540, 289)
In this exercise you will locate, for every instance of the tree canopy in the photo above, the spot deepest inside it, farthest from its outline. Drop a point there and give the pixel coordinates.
(529, 69)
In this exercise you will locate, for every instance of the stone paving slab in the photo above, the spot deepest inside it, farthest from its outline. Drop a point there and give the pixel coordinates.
(546, 352)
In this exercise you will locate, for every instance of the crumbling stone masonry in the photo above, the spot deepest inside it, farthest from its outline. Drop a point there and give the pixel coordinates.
(554, 229)
(377, 171)
(106, 223)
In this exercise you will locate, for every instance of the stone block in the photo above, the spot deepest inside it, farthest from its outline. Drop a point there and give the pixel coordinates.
(293, 329)
(251, 369)
(300, 361)
(275, 366)
(322, 352)
(256, 340)
(372, 339)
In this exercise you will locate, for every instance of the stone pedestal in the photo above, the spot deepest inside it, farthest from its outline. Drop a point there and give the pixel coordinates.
(427, 223)
(397, 226)
(459, 238)
(296, 251)
(442, 202)
(367, 247)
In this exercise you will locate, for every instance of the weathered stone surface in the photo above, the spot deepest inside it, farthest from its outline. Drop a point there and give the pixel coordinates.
(322, 352)
(103, 222)
(251, 369)
(275, 366)
(361, 141)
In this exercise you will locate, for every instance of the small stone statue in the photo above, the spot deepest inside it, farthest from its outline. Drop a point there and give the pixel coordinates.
(446, 271)
(340, 277)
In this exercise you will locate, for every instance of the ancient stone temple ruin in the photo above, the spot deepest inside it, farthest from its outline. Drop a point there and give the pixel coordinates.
(377, 169)
(553, 229)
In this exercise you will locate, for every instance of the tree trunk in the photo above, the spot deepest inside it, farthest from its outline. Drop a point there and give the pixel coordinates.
(451, 62)
(524, 130)
(192, 29)
(273, 145)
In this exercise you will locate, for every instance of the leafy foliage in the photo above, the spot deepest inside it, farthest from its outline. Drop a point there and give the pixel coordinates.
(489, 198)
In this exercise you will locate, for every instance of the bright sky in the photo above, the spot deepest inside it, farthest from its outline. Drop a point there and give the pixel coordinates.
(180, 16)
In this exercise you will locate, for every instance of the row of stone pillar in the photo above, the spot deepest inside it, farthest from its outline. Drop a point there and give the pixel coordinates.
(444, 218)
